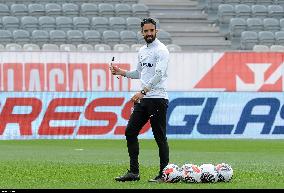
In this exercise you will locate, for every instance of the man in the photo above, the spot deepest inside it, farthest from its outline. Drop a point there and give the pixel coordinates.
(149, 103)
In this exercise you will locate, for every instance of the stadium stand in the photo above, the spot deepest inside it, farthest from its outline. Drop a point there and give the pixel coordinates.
(189, 24)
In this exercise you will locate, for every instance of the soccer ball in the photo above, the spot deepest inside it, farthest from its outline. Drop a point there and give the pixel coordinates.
(171, 173)
(208, 173)
(225, 172)
(190, 173)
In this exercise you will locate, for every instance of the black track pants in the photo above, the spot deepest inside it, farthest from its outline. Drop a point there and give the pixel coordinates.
(154, 109)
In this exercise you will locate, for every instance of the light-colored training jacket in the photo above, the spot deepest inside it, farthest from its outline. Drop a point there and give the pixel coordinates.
(152, 68)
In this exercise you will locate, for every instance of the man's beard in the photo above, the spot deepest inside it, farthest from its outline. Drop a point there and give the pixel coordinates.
(149, 41)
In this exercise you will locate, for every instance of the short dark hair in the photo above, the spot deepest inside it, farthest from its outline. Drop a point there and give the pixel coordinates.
(148, 20)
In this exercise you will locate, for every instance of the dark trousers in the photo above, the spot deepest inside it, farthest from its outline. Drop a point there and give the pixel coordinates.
(154, 109)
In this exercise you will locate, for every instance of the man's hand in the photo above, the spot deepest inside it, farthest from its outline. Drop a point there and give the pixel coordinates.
(136, 98)
(116, 71)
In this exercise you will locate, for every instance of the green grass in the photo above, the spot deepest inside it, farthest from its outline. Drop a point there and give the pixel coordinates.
(93, 164)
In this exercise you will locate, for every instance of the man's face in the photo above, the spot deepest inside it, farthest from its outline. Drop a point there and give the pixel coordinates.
(149, 32)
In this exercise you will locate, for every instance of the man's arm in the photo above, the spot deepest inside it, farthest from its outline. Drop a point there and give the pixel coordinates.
(134, 74)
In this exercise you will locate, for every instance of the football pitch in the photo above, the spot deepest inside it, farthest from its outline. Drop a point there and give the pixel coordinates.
(93, 164)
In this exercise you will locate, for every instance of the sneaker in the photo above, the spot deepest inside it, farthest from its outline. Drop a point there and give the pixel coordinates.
(157, 179)
(129, 176)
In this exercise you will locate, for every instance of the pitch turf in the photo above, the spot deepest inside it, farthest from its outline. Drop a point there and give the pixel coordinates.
(93, 164)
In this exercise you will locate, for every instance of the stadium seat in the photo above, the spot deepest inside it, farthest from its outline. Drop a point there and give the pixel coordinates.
(123, 10)
(128, 37)
(266, 38)
(277, 48)
(231, 2)
(31, 47)
(47, 23)
(100, 24)
(70, 9)
(6, 36)
(85, 47)
(255, 24)
(106, 10)
(140, 10)
(21, 36)
(89, 10)
(243, 11)
(50, 47)
(11, 22)
(259, 11)
(75, 37)
(164, 36)
(36, 9)
(19, 10)
(81, 23)
(57, 37)
(67, 47)
(102, 47)
(121, 47)
(236, 27)
(92, 37)
(117, 23)
(53, 9)
(40, 37)
(4, 10)
(13, 47)
(174, 48)
(111, 37)
(279, 37)
(64, 23)
(135, 47)
(261, 48)
(275, 11)
(133, 24)
(271, 24)
(29, 23)
(224, 14)
(248, 40)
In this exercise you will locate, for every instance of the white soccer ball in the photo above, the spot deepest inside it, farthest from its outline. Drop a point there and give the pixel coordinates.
(208, 173)
(225, 172)
(190, 173)
(171, 173)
